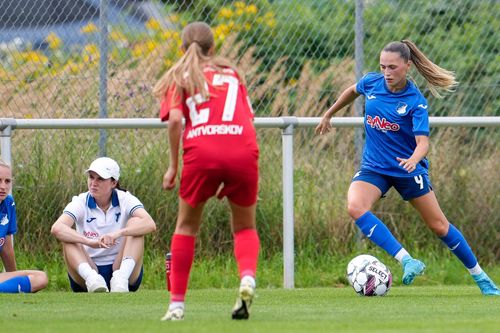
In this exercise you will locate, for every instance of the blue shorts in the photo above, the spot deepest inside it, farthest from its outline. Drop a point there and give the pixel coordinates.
(107, 272)
(408, 187)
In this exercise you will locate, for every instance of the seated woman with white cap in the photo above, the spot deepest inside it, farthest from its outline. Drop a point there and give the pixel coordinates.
(105, 251)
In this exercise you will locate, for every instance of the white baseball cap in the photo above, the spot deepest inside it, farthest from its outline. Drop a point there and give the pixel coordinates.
(105, 167)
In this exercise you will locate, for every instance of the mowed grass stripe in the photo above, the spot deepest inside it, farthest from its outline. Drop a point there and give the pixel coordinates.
(404, 309)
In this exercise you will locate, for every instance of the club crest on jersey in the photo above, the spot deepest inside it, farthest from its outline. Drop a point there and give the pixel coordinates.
(4, 220)
(401, 109)
(381, 124)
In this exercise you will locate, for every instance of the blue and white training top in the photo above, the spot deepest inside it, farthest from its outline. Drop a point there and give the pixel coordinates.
(392, 120)
(8, 223)
(92, 222)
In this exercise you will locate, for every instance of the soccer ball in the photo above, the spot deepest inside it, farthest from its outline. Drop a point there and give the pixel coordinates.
(369, 276)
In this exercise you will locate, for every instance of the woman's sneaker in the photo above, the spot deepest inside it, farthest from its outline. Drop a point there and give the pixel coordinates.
(241, 309)
(486, 285)
(119, 284)
(96, 284)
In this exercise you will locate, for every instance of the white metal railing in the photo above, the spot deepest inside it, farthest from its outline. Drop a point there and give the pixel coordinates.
(286, 124)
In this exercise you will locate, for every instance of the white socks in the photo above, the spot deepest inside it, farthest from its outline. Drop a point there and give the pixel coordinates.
(400, 255)
(126, 268)
(85, 270)
(247, 279)
(175, 305)
(476, 270)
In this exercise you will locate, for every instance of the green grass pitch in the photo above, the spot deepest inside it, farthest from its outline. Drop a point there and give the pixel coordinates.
(405, 309)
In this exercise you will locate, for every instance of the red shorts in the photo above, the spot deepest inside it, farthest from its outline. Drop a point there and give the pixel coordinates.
(240, 186)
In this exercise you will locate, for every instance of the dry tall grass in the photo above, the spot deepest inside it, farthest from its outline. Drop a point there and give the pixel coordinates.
(49, 163)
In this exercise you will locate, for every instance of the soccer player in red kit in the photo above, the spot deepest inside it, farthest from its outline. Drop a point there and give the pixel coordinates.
(220, 157)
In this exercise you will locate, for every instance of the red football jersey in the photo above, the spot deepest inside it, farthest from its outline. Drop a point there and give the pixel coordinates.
(219, 132)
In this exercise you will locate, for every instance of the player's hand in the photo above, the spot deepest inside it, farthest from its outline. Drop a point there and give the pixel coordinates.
(169, 179)
(107, 240)
(324, 126)
(96, 244)
(407, 164)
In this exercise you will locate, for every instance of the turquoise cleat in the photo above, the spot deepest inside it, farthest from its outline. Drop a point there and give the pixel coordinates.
(411, 268)
(486, 285)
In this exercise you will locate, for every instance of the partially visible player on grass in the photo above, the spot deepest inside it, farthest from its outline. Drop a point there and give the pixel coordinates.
(12, 280)
(220, 158)
(396, 125)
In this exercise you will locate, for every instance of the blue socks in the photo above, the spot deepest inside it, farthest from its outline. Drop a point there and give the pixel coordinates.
(18, 284)
(378, 233)
(458, 245)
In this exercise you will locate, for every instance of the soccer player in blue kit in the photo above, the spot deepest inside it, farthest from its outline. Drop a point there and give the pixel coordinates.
(12, 280)
(396, 126)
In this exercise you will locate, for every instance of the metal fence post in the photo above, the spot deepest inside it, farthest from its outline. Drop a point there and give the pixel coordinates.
(103, 72)
(359, 60)
(6, 140)
(288, 203)
(358, 103)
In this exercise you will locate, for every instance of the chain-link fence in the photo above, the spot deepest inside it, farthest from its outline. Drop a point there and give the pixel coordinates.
(91, 58)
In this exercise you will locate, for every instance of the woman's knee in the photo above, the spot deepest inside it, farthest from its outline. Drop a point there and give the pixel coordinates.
(439, 227)
(39, 280)
(356, 209)
(186, 227)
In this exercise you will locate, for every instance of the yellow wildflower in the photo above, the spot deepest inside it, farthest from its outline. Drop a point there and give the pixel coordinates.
(34, 57)
(151, 45)
(168, 63)
(89, 28)
(143, 49)
(271, 23)
(166, 34)
(118, 36)
(72, 67)
(138, 50)
(53, 40)
(90, 53)
(225, 13)
(153, 24)
(174, 18)
(251, 9)
(239, 4)
(269, 15)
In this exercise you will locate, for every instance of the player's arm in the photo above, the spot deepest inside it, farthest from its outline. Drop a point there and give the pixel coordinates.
(141, 223)
(63, 230)
(345, 98)
(419, 153)
(174, 139)
(7, 254)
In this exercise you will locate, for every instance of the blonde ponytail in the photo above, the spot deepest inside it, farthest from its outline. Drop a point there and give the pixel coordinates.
(437, 77)
(187, 73)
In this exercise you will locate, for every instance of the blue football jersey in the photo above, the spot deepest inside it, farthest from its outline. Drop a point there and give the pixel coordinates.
(391, 121)
(8, 224)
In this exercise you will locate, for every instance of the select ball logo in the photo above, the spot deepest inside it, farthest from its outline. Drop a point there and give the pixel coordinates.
(383, 276)
(2, 241)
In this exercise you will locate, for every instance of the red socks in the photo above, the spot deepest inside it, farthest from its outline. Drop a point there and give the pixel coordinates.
(246, 251)
(182, 248)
